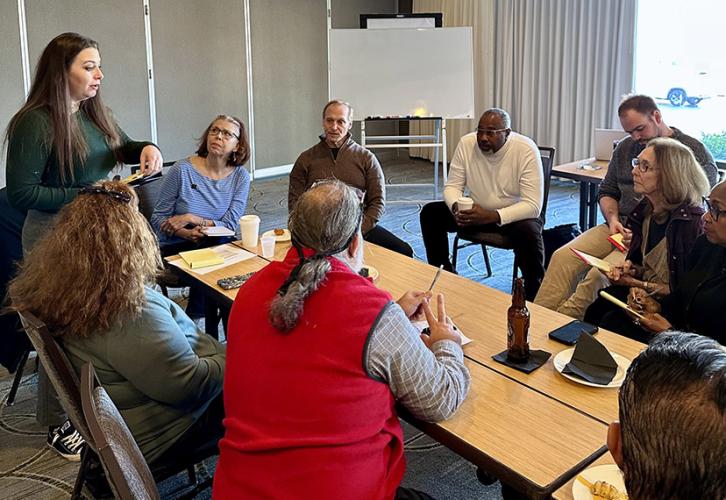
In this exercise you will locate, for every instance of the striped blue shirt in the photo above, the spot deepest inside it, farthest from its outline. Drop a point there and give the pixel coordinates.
(185, 190)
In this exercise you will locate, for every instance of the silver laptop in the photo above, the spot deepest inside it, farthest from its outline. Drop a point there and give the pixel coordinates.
(605, 140)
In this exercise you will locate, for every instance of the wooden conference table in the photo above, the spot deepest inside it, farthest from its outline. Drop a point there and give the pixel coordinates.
(589, 181)
(534, 432)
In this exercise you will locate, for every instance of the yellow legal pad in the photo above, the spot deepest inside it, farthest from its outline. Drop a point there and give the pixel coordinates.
(203, 257)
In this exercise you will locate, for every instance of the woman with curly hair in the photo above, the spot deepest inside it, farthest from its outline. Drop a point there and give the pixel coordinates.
(88, 280)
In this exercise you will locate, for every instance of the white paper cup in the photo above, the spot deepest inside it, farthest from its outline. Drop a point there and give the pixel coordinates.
(465, 203)
(268, 246)
(249, 227)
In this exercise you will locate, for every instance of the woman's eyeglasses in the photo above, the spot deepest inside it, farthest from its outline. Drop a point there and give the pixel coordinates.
(226, 134)
(712, 209)
(642, 165)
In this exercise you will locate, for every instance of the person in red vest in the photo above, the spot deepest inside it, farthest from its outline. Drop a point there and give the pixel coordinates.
(317, 358)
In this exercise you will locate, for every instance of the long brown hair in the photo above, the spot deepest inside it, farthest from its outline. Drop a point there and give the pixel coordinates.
(50, 91)
(89, 273)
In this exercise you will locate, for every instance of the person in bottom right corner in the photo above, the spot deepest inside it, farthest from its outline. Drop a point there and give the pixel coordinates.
(669, 441)
(698, 302)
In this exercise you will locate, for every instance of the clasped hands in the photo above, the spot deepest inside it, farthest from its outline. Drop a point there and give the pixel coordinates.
(643, 302)
(415, 304)
(475, 216)
(177, 225)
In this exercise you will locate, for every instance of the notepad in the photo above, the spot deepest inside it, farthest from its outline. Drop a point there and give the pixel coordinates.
(203, 257)
(617, 240)
(600, 264)
(217, 231)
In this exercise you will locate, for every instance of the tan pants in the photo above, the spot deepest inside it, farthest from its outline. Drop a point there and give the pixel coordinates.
(569, 285)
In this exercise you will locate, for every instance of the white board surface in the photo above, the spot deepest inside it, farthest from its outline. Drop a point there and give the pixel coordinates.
(403, 72)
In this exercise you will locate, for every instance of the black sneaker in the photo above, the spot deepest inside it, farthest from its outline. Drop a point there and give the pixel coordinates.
(66, 441)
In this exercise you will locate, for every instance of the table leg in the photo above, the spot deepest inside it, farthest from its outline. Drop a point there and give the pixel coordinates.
(583, 205)
(211, 318)
(592, 208)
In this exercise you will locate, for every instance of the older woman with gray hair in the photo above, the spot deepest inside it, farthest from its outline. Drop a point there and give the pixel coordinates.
(328, 354)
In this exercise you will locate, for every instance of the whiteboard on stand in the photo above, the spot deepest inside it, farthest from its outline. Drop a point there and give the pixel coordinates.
(403, 72)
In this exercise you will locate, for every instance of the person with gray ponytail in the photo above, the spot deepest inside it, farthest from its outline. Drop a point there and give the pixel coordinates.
(318, 358)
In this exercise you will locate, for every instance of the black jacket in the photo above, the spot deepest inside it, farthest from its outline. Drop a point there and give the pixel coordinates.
(698, 303)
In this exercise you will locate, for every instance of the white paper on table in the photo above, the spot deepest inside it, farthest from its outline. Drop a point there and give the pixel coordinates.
(230, 253)
(217, 231)
(420, 325)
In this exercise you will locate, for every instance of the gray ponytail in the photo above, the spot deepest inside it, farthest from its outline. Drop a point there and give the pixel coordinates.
(325, 219)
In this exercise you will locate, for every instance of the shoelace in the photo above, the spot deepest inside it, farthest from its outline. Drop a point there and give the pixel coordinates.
(73, 441)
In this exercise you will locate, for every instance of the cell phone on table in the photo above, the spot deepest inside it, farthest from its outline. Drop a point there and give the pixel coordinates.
(570, 333)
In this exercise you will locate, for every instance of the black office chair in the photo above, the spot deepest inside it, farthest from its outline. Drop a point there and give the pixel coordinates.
(497, 240)
(148, 193)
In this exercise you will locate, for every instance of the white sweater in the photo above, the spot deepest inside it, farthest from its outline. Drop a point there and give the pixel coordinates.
(509, 181)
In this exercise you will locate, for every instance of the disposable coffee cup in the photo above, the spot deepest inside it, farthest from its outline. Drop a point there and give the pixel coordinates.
(249, 228)
(268, 246)
(465, 203)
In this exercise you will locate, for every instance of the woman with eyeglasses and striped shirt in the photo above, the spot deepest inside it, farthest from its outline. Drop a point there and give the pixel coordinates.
(209, 188)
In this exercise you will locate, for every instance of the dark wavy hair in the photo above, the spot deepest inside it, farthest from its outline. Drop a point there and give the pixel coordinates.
(50, 91)
(239, 156)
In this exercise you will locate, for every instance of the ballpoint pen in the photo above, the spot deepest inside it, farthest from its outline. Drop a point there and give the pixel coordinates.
(438, 272)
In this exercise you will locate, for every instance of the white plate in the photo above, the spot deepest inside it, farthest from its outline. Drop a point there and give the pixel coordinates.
(285, 236)
(608, 473)
(565, 356)
(217, 231)
(372, 272)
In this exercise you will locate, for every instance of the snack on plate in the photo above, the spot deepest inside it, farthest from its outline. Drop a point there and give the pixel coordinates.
(603, 489)
(365, 272)
(278, 231)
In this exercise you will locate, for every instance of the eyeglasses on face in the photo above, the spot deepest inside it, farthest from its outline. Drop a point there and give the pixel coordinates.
(490, 133)
(642, 165)
(226, 134)
(712, 209)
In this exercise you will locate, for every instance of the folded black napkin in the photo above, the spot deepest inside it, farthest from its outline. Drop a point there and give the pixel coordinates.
(591, 361)
(536, 359)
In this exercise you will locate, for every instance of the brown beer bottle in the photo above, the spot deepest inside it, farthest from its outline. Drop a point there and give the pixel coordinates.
(518, 325)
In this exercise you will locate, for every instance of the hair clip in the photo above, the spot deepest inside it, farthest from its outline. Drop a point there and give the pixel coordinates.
(117, 195)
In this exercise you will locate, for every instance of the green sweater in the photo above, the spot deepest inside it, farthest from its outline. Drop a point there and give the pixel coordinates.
(33, 174)
(158, 369)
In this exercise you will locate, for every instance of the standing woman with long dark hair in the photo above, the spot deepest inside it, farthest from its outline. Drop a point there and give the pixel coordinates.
(62, 139)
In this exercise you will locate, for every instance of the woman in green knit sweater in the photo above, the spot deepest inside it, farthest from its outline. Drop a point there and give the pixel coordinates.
(62, 139)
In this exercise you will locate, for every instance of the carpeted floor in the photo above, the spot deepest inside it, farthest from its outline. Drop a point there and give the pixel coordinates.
(29, 469)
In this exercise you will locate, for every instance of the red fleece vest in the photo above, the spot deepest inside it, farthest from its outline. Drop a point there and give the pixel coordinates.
(303, 419)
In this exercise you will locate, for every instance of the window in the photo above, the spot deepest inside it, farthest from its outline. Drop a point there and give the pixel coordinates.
(679, 60)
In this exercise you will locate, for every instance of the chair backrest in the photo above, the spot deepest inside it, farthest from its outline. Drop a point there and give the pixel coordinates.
(126, 469)
(548, 161)
(148, 192)
(59, 370)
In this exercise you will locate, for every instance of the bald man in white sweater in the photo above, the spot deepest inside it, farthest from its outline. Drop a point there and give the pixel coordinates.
(502, 171)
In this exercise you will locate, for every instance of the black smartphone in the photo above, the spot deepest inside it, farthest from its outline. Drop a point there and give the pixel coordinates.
(569, 333)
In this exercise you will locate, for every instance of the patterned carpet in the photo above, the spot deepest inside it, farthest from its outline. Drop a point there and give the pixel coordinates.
(29, 469)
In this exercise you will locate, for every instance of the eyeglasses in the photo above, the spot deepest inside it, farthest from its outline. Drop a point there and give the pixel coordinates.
(712, 209)
(642, 165)
(226, 134)
(490, 133)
